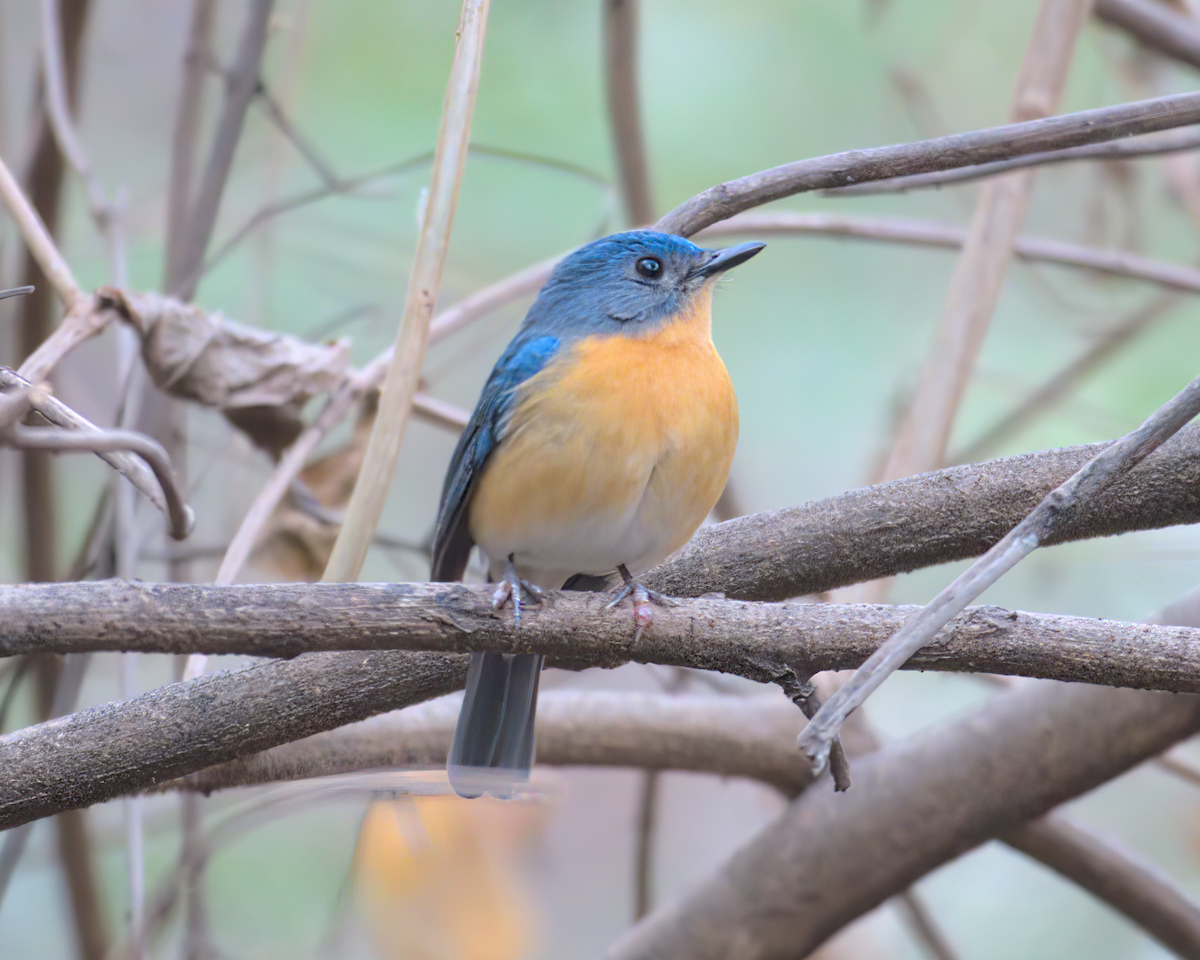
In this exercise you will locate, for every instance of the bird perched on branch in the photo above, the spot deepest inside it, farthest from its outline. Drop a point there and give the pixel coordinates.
(601, 441)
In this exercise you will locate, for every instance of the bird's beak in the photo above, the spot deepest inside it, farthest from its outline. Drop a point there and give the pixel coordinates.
(721, 260)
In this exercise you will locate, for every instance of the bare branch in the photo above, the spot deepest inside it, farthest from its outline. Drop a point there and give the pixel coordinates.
(1117, 876)
(1156, 25)
(752, 737)
(979, 272)
(1117, 263)
(400, 384)
(942, 153)
(82, 322)
(864, 533)
(916, 805)
(725, 736)
(130, 466)
(111, 441)
(37, 239)
(907, 524)
(1065, 380)
(765, 642)
(187, 126)
(624, 107)
(103, 212)
(1092, 478)
(1154, 145)
(101, 753)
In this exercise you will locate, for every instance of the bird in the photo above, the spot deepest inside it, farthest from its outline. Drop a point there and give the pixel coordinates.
(601, 440)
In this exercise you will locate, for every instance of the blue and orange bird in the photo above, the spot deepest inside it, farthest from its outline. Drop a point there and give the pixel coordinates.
(601, 441)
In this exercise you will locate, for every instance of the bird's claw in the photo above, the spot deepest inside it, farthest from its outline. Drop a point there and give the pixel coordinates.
(643, 614)
(510, 589)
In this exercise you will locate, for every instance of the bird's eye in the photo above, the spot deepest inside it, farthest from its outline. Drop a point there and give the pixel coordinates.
(649, 267)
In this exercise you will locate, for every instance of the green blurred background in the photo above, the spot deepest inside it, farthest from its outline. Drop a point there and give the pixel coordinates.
(823, 339)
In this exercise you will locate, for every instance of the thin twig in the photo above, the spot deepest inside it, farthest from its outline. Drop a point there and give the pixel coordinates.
(923, 927)
(942, 153)
(130, 466)
(111, 441)
(1154, 145)
(1096, 475)
(311, 155)
(103, 212)
(1117, 263)
(400, 384)
(82, 322)
(38, 240)
(187, 127)
(624, 107)
(643, 861)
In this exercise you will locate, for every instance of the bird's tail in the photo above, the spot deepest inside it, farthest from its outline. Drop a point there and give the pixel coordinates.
(493, 742)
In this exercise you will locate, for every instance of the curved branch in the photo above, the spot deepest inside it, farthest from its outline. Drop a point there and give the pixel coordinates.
(915, 805)
(942, 153)
(1154, 145)
(748, 737)
(111, 441)
(129, 465)
(1116, 876)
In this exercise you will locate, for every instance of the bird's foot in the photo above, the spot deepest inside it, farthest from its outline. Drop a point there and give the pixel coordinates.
(510, 589)
(643, 615)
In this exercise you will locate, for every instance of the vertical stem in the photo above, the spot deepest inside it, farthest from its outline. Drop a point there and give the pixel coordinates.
(624, 108)
(643, 868)
(187, 132)
(979, 273)
(44, 188)
(395, 405)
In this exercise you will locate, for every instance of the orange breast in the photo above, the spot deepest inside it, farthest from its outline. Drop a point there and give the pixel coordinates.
(616, 452)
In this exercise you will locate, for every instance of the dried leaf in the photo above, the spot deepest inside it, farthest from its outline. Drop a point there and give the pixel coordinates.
(259, 380)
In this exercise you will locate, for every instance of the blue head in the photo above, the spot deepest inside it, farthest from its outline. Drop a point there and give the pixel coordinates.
(628, 282)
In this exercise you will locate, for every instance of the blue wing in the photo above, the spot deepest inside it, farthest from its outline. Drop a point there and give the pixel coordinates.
(525, 356)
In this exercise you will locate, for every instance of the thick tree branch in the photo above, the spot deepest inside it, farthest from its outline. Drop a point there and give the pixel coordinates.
(874, 532)
(904, 525)
(729, 737)
(915, 805)
(751, 737)
(765, 642)
(128, 746)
